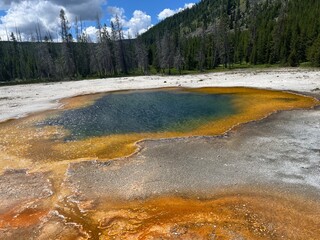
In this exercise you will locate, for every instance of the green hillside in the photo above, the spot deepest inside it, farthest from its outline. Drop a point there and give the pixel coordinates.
(214, 33)
(230, 32)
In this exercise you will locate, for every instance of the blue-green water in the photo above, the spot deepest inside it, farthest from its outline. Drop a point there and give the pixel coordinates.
(144, 111)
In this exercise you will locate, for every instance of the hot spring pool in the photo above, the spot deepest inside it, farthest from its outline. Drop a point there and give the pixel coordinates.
(109, 125)
(144, 112)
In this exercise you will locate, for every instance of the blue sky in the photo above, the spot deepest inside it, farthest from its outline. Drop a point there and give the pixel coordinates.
(152, 8)
(136, 16)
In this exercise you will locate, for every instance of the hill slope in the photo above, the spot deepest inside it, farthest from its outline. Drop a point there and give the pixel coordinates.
(236, 31)
(213, 33)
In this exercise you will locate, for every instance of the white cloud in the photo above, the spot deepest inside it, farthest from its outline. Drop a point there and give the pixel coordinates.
(25, 15)
(5, 4)
(91, 32)
(117, 12)
(139, 23)
(167, 12)
(87, 9)
(188, 5)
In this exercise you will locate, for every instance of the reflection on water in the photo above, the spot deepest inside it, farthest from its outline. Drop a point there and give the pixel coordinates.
(141, 112)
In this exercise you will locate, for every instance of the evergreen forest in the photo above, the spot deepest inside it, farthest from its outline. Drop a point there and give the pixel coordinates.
(214, 33)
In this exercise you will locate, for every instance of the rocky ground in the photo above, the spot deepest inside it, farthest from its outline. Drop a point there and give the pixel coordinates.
(20, 100)
(281, 150)
(259, 181)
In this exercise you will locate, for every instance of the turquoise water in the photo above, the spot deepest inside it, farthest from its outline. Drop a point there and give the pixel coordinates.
(142, 112)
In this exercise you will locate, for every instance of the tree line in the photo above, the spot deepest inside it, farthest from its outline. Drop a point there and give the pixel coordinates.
(211, 34)
(75, 57)
(234, 32)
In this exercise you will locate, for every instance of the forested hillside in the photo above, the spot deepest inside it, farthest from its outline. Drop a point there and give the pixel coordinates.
(213, 33)
(226, 32)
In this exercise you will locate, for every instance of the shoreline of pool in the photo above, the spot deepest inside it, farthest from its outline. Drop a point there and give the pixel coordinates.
(22, 100)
